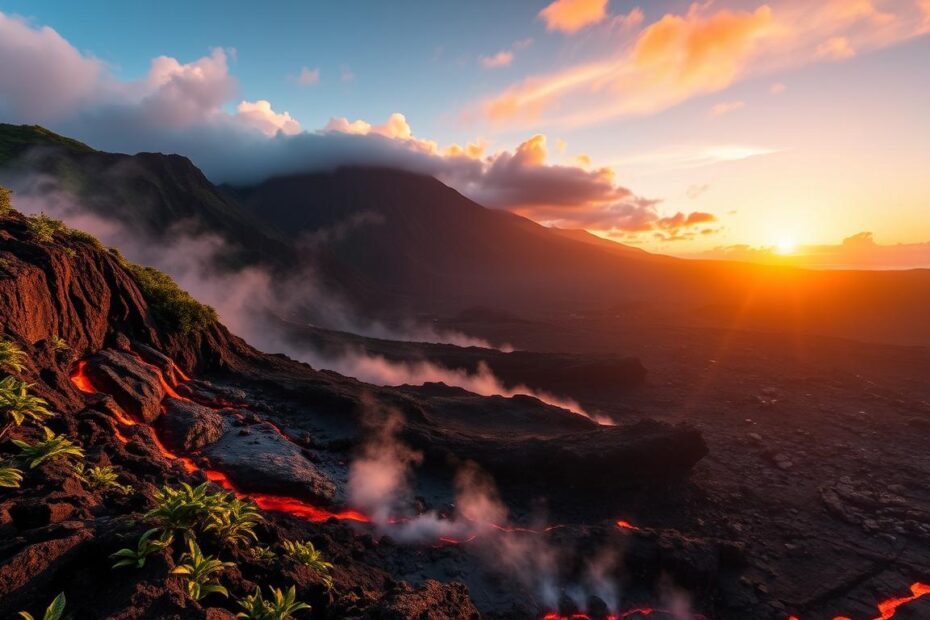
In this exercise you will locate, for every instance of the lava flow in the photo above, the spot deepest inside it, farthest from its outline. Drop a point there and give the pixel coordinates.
(889, 607)
(264, 501)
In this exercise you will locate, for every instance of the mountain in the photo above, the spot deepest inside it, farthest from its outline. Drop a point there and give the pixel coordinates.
(401, 245)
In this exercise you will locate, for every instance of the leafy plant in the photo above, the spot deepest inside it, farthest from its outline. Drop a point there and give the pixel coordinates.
(98, 478)
(198, 571)
(17, 404)
(262, 554)
(171, 304)
(59, 343)
(12, 358)
(281, 605)
(54, 446)
(84, 237)
(186, 508)
(147, 545)
(10, 477)
(53, 612)
(43, 227)
(234, 521)
(308, 555)
(6, 200)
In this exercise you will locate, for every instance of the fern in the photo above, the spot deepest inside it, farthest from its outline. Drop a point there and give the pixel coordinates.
(281, 605)
(10, 477)
(98, 478)
(197, 572)
(308, 555)
(12, 358)
(146, 546)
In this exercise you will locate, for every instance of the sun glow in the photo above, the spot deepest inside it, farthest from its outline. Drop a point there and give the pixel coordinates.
(785, 247)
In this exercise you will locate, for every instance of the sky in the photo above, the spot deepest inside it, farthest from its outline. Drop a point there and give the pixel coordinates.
(686, 128)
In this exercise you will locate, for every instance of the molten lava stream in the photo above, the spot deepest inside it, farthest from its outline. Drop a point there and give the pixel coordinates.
(888, 608)
(264, 501)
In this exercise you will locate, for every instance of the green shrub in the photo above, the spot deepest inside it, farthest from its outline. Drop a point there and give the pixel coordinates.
(59, 344)
(305, 553)
(53, 612)
(12, 358)
(52, 447)
(85, 237)
(100, 478)
(17, 405)
(10, 477)
(170, 303)
(281, 605)
(43, 227)
(147, 545)
(6, 201)
(262, 554)
(234, 522)
(197, 570)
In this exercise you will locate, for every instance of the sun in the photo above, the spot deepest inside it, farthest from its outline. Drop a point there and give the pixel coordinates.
(785, 247)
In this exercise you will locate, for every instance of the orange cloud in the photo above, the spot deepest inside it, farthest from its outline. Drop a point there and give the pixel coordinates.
(704, 50)
(836, 48)
(308, 77)
(258, 114)
(498, 60)
(570, 16)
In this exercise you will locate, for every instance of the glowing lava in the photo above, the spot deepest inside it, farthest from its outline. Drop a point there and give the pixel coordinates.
(264, 501)
(626, 525)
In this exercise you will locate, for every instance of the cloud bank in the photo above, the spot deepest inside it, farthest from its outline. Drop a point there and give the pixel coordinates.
(192, 108)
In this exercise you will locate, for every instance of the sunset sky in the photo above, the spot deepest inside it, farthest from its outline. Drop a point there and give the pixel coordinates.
(681, 127)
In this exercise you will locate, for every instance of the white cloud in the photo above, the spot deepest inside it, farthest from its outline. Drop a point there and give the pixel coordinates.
(259, 114)
(308, 77)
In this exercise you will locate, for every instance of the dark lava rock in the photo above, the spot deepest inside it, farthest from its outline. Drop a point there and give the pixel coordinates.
(38, 514)
(432, 601)
(187, 426)
(601, 457)
(261, 459)
(134, 384)
(915, 610)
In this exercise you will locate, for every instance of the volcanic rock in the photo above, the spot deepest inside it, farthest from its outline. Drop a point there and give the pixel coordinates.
(601, 457)
(135, 385)
(432, 601)
(187, 426)
(261, 459)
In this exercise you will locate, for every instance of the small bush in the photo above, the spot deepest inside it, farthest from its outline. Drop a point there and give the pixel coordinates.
(12, 358)
(197, 570)
(43, 227)
(10, 477)
(6, 200)
(53, 612)
(148, 544)
(17, 405)
(305, 553)
(281, 605)
(85, 237)
(262, 554)
(52, 447)
(100, 478)
(235, 522)
(170, 303)
(187, 509)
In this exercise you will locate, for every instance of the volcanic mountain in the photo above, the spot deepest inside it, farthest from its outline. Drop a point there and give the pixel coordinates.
(397, 244)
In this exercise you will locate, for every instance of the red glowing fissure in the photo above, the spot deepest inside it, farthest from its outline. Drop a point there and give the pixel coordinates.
(273, 503)
(889, 607)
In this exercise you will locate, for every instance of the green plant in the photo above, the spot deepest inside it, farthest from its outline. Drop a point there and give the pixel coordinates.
(97, 478)
(281, 605)
(147, 545)
(234, 521)
(198, 570)
(54, 446)
(85, 237)
(186, 509)
(59, 344)
(17, 405)
(171, 304)
(262, 554)
(6, 200)
(308, 555)
(10, 477)
(43, 227)
(53, 612)
(12, 358)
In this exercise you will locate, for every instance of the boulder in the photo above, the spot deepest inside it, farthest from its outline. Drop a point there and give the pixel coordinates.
(186, 426)
(260, 459)
(135, 385)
